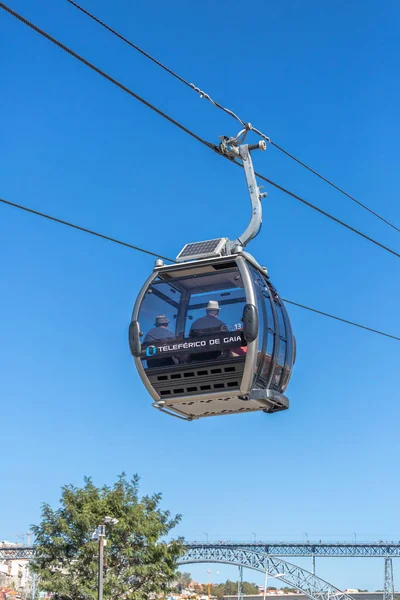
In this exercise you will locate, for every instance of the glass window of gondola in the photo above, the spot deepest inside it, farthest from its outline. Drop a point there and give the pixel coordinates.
(193, 319)
(277, 359)
(262, 318)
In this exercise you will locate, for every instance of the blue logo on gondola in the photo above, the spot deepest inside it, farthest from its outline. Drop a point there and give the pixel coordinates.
(151, 350)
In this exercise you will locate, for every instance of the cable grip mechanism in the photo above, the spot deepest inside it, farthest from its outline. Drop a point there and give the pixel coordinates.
(234, 149)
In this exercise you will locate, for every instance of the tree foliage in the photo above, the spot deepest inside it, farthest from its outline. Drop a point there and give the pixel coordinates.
(182, 580)
(137, 562)
(230, 588)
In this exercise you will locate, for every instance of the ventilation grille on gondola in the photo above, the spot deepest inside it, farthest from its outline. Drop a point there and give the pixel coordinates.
(189, 381)
(206, 249)
(198, 389)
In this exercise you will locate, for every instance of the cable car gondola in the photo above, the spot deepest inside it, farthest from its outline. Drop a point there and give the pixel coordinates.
(210, 334)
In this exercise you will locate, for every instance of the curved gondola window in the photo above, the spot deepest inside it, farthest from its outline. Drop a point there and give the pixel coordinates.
(158, 321)
(160, 300)
(198, 336)
(269, 350)
(268, 327)
(268, 308)
(280, 366)
(259, 288)
(281, 321)
(290, 360)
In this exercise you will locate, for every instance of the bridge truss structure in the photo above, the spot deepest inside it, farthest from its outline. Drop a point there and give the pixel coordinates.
(268, 556)
(314, 587)
(312, 549)
(385, 550)
(16, 552)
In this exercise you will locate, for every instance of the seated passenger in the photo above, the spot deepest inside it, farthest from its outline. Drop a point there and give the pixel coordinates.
(206, 325)
(156, 334)
(210, 323)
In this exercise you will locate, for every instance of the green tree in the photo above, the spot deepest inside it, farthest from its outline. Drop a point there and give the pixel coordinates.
(137, 562)
(249, 589)
(230, 588)
(218, 590)
(182, 580)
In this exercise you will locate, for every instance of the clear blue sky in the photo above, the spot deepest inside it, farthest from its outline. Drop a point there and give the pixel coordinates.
(322, 80)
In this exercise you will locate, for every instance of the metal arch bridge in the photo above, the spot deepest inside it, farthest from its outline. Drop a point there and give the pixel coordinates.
(271, 551)
(312, 549)
(312, 586)
(16, 552)
(288, 549)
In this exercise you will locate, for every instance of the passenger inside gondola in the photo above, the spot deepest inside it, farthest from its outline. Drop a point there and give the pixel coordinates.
(210, 323)
(159, 332)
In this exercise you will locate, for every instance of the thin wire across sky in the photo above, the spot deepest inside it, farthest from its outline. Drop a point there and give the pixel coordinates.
(188, 131)
(202, 141)
(203, 94)
(149, 252)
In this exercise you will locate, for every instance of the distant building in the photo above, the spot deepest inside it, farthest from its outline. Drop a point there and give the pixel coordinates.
(14, 576)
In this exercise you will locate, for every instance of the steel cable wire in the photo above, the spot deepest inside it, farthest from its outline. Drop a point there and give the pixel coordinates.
(186, 130)
(203, 94)
(144, 251)
(198, 138)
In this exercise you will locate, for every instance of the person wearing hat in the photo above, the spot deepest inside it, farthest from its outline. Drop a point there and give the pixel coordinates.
(159, 332)
(210, 323)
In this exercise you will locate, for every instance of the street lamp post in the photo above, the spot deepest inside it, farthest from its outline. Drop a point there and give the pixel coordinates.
(33, 586)
(277, 576)
(101, 530)
(209, 582)
(100, 534)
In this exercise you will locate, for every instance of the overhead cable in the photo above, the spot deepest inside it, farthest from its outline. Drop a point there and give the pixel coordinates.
(105, 75)
(336, 187)
(143, 250)
(325, 314)
(326, 214)
(157, 62)
(186, 130)
(84, 229)
(231, 113)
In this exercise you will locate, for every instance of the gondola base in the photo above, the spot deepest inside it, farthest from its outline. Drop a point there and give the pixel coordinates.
(211, 405)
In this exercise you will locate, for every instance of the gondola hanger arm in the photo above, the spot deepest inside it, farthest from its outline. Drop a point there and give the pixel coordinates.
(234, 148)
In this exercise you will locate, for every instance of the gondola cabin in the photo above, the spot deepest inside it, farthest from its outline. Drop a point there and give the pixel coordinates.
(211, 336)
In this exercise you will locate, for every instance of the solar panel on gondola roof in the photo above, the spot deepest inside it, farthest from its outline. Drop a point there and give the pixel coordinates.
(202, 249)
